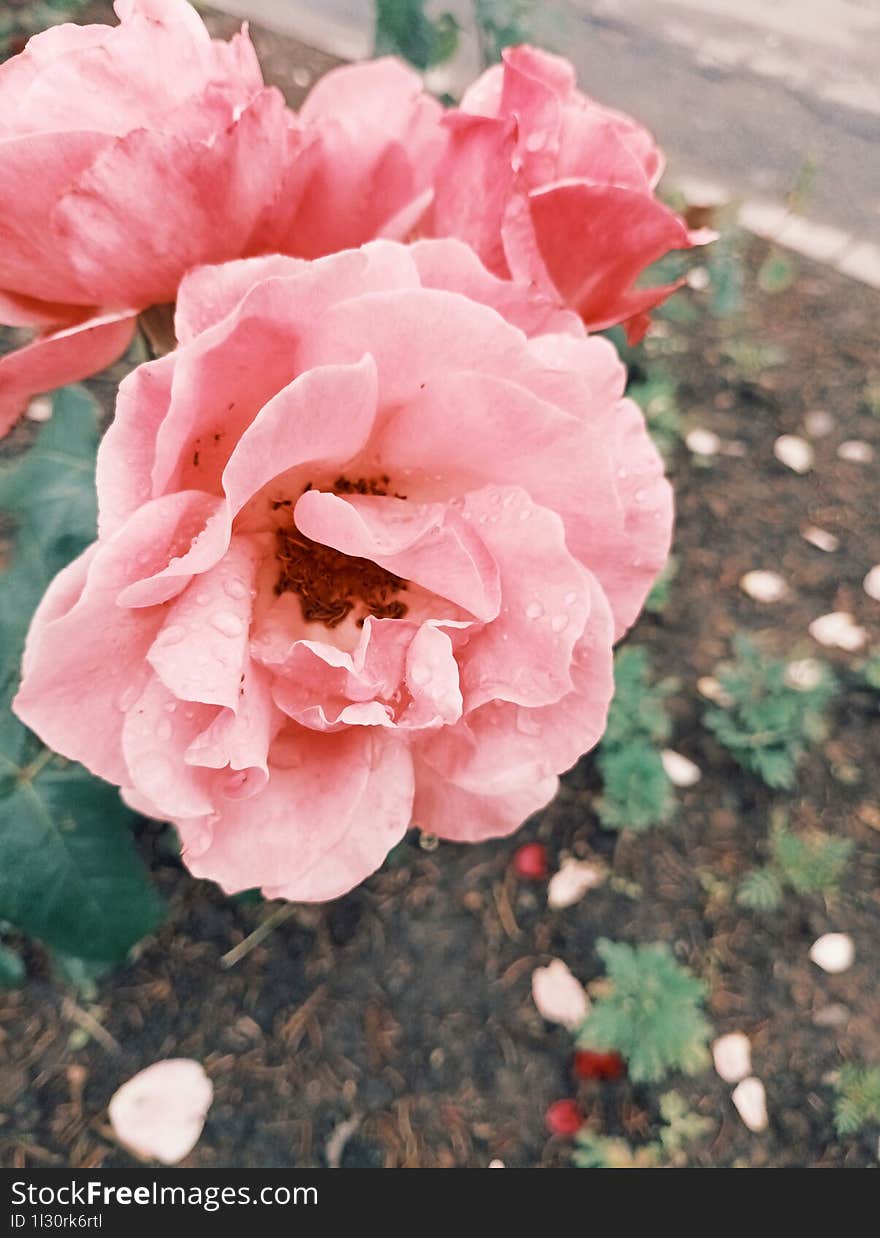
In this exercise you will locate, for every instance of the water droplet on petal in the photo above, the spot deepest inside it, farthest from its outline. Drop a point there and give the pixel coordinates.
(534, 610)
(559, 623)
(525, 513)
(640, 496)
(235, 588)
(171, 636)
(420, 674)
(227, 623)
(570, 598)
(163, 729)
(170, 707)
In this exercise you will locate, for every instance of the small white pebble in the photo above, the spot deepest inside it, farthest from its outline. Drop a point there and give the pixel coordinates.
(764, 586)
(572, 881)
(820, 538)
(496, 1164)
(855, 451)
(871, 583)
(732, 1055)
(159, 1113)
(40, 408)
(833, 952)
(805, 674)
(750, 1100)
(702, 442)
(709, 687)
(680, 771)
(818, 423)
(559, 995)
(838, 630)
(795, 453)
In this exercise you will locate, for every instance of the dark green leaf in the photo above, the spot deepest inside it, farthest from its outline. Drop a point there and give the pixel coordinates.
(69, 873)
(402, 29)
(11, 968)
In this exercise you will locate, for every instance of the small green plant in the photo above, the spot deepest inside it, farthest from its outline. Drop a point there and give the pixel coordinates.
(752, 357)
(651, 1014)
(808, 863)
(680, 1127)
(404, 29)
(500, 24)
(768, 724)
(595, 1151)
(871, 672)
(636, 790)
(658, 598)
(857, 1101)
(656, 396)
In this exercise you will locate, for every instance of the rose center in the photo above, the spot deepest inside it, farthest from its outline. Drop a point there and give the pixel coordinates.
(330, 584)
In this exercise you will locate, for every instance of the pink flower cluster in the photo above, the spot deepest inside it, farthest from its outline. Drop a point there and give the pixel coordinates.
(130, 155)
(368, 534)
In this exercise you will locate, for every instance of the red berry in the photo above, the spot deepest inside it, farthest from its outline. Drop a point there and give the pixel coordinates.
(589, 1064)
(530, 862)
(564, 1117)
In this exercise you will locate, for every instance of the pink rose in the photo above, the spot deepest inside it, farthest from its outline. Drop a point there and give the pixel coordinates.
(128, 154)
(552, 189)
(364, 546)
(378, 139)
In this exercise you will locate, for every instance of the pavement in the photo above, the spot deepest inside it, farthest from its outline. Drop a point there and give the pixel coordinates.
(749, 98)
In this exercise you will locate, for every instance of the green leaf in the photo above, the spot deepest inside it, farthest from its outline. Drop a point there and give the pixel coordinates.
(760, 890)
(637, 792)
(402, 29)
(778, 272)
(857, 1103)
(69, 872)
(50, 492)
(11, 968)
(652, 1013)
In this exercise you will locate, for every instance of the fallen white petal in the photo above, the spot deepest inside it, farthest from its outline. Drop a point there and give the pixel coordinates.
(855, 451)
(818, 423)
(709, 687)
(559, 996)
(820, 538)
(839, 630)
(833, 952)
(40, 408)
(702, 442)
(795, 453)
(496, 1164)
(679, 769)
(750, 1100)
(764, 586)
(805, 674)
(732, 1055)
(698, 278)
(871, 583)
(159, 1113)
(571, 883)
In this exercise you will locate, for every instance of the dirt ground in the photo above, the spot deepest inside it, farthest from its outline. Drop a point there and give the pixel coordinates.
(395, 1027)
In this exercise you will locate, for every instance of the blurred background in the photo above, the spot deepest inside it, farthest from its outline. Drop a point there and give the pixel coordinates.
(733, 811)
